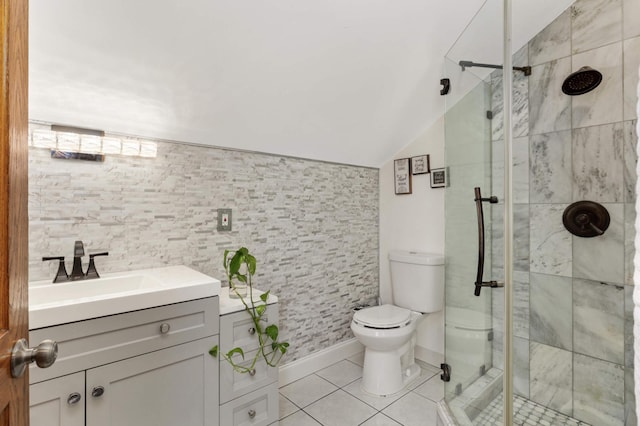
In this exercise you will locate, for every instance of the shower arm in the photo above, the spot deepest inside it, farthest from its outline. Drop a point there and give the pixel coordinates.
(479, 283)
(469, 64)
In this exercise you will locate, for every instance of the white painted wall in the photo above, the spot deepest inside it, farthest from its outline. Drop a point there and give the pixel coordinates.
(415, 222)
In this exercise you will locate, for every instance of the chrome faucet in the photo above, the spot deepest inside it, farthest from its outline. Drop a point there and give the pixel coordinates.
(78, 252)
(76, 273)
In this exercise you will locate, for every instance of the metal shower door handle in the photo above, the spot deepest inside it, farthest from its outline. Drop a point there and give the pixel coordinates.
(479, 283)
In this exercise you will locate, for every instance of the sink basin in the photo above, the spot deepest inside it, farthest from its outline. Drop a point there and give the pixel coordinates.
(60, 303)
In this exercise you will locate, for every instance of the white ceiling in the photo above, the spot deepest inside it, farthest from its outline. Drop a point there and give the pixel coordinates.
(349, 81)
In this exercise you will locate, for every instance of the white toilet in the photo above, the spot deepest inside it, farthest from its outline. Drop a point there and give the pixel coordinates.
(388, 332)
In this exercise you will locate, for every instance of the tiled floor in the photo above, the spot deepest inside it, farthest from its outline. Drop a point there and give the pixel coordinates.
(332, 397)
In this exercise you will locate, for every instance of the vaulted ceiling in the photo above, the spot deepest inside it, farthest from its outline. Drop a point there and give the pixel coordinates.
(350, 81)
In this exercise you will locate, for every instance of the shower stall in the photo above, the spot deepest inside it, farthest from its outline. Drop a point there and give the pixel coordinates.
(540, 215)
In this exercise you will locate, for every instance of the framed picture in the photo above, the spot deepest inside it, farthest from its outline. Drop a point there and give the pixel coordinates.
(420, 165)
(402, 175)
(439, 178)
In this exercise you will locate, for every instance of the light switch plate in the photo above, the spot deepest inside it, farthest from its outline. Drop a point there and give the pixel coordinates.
(224, 219)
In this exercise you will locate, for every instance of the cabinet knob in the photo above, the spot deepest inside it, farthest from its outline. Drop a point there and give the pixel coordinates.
(251, 413)
(252, 372)
(97, 392)
(74, 398)
(44, 355)
(252, 330)
(165, 327)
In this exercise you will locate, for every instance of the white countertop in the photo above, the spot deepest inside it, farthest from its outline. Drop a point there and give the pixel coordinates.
(51, 304)
(229, 305)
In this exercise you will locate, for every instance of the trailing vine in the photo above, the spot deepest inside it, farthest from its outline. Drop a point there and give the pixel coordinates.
(241, 267)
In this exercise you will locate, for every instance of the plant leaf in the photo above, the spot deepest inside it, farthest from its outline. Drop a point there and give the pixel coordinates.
(260, 309)
(272, 332)
(242, 278)
(225, 264)
(235, 351)
(264, 296)
(251, 263)
(236, 262)
(214, 351)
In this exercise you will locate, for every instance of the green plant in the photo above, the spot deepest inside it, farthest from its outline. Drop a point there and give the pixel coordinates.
(242, 266)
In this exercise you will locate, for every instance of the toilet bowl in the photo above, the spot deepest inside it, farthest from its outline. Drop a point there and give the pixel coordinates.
(388, 333)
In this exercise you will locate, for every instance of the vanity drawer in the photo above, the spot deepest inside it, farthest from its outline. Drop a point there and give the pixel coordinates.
(237, 329)
(258, 408)
(87, 344)
(234, 384)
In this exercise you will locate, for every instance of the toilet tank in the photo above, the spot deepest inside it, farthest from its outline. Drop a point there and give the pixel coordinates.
(417, 280)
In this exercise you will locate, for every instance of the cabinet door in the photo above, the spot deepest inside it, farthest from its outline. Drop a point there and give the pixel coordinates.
(257, 408)
(234, 384)
(173, 386)
(58, 402)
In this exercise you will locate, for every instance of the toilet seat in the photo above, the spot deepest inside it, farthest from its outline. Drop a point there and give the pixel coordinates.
(383, 317)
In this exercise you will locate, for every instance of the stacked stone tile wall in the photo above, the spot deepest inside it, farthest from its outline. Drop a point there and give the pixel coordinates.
(313, 226)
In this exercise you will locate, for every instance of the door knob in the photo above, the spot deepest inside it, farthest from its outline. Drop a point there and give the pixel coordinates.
(44, 355)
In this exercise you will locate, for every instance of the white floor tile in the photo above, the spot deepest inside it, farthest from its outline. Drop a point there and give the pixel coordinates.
(380, 420)
(286, 407)
(299, 418)
(307, 390)
(340, 409)
(432, 389)
(413, 410)
(377, 402)
(341, 373)
(426, 372)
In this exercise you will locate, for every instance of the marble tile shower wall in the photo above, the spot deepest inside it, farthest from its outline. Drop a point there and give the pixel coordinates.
(313, 226)
(573, 303)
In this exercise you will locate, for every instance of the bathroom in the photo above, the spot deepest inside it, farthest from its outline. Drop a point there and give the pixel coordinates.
(322, 230)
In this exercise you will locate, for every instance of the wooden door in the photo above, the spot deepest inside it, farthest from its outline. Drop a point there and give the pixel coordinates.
(14, 254)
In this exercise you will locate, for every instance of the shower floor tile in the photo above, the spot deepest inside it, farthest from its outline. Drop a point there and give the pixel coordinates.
(525, 412)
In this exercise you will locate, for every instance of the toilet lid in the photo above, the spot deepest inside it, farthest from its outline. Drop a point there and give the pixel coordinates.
(384, 316)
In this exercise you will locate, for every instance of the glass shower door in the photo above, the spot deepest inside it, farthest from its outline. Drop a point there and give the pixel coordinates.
(474, 223)
(470, 331)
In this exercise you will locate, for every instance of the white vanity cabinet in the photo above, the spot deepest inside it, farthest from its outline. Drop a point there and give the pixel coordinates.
(148, 367)
(58, 402)
(246, 398)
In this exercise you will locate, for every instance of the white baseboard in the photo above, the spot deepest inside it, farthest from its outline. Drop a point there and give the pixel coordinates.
(429, 356)
(318, 360)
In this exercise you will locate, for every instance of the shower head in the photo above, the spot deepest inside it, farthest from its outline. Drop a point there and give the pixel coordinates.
(582, 81)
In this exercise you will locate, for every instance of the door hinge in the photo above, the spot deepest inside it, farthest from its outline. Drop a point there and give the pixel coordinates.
(446, 372)
(446, 86)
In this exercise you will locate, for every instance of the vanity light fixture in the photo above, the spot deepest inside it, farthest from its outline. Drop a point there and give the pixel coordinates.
(85, 141)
